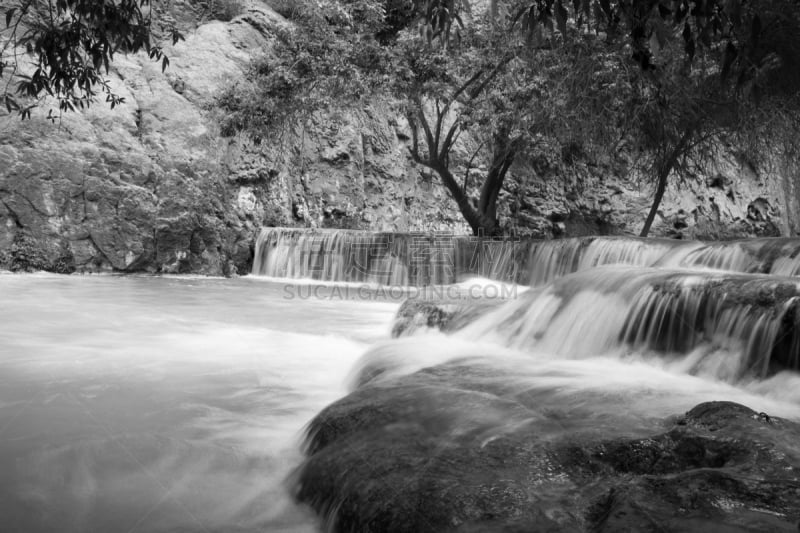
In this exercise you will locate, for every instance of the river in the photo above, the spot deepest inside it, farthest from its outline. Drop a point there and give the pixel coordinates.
(178, 404)
(157, 404)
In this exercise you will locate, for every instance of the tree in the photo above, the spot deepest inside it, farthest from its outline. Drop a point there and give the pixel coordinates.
(510, 95)
(703, 65)
(461, 75)
(63, 48)
(667, 77)
(445, 93)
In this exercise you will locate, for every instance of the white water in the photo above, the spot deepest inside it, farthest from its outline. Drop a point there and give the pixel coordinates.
(145, 404)
(140, 404)
(440, 258)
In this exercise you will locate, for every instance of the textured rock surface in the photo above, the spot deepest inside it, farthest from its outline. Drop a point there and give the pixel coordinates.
(556, 198)
(462, 447)
(153, 186)
(446, 316)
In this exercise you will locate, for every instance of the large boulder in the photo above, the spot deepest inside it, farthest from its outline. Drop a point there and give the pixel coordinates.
(461, 446)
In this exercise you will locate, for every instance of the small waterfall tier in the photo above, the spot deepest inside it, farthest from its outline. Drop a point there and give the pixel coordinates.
(418, 259)
(550, 260)
(408, 259)
(727, 325)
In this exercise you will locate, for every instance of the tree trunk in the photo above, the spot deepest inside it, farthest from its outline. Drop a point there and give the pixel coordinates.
(493, 11)
(477, 219)
(663, 177)
(502, 158)
(666, 166)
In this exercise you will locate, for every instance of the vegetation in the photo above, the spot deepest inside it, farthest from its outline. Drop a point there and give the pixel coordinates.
(69, 44)
(666, 79)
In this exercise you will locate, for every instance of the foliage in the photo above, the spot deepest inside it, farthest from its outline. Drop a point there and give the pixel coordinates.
(449, 77)
(663, 78)
(27, 255)
(70, 44)
(308, 69)
(704, 65)
(226, 10)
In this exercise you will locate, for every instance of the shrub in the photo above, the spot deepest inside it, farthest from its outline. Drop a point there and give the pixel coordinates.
(226, 10)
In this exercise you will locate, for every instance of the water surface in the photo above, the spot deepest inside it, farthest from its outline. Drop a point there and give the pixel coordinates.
(165, 404)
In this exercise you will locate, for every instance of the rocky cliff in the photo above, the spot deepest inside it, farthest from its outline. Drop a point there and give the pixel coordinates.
(154, 186)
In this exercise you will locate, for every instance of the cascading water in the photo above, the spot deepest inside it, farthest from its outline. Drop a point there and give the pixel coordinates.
(614, 398)
(749, 321)
(383, 258)
(175, 404)
(552, 411)
(438, 258)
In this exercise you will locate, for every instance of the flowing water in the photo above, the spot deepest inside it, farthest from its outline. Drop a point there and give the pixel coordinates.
(146, 404)
(176, 404)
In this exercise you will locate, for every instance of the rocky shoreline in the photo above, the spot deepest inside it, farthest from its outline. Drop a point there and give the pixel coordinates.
(481, 443)
(425, 453)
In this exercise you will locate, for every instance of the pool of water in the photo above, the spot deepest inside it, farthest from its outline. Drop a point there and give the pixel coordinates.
(178, 404)
(165, 404)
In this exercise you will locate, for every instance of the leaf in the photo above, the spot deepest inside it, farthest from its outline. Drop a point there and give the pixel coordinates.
(662, 33)
(11, 104)
(520, 15)
(598, 15)
(654, 44)
(705, 35)
(606, 6)
(164, 64)
(756, 30)
(10, 15)
(561, 18)
(688, 39)
(734, 10)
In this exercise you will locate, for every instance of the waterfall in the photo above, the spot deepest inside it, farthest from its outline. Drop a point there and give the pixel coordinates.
(573, 382)
(550, 260)
(725, 308)
(419, 259)
(732, 325)
(409, 259)
(331, 256)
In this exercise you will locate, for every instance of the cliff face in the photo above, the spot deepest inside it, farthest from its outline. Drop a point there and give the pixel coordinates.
(153, 186)
(730, 199)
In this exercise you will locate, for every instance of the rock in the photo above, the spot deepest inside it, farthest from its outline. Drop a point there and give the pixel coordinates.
(457, 447)
(582, 197)
(415, 314)
(130, 189)
(154, 186)
(27, 255)
(446, 316)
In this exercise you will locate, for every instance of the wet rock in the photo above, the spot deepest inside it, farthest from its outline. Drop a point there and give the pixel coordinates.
(417, 314)
(26, 254)
(457, 447)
